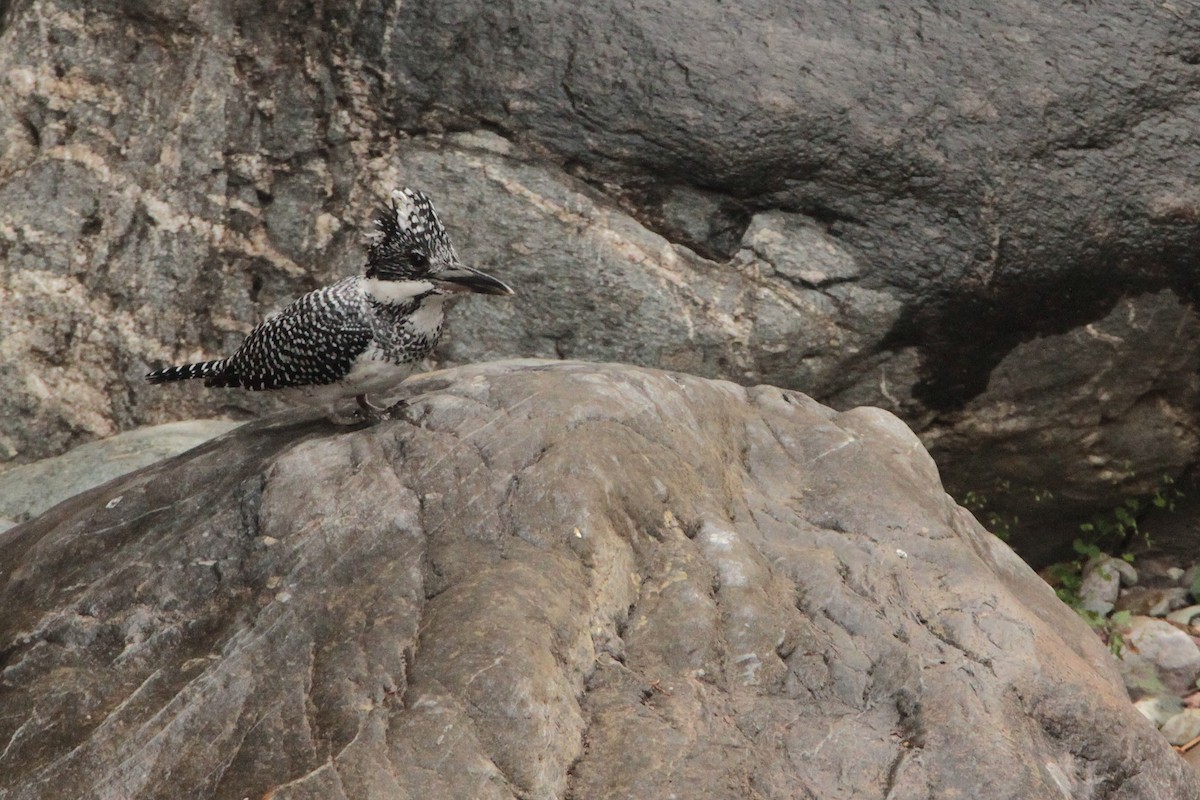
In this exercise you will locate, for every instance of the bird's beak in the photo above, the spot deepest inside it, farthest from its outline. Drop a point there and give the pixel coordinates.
(460, 279)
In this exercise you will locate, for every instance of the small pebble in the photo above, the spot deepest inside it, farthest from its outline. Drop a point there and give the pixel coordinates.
(1183, 727)
(1159, 708)
(1100, 586)
(1158, 644)
(1175, 573)
(1153, 569)
(1145, 602)
(1129, 573)
(1184, 616)
(1191, 581)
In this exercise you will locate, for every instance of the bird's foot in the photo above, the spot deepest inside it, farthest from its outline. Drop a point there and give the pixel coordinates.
(380, 412)
(369, 408)
(396, 408)
(373, 413)
(367, 412)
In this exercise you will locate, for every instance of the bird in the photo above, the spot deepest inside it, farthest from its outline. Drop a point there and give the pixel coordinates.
(359, 336)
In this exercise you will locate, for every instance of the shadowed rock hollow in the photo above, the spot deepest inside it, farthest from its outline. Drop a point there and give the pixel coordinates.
(551, 580)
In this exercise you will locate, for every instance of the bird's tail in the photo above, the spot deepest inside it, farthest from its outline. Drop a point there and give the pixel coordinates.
(185, 372)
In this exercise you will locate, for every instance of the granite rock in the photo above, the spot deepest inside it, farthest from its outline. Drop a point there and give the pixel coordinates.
(971, 215)
(1159, 654)
(552, 580)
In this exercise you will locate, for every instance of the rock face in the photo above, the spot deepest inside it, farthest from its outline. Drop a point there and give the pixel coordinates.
(552, 580)
(971, 215)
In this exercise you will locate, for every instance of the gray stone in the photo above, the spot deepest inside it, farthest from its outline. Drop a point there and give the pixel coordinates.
(1184, 616)
(29, 490)
(1191, 578)
(1149, 602)
(1159, 708)
(1183, 727)
(1171, 653)
(1127, 571)
(976, 212)
(1154, 566)
(1101, 584)
(552, 580)
(792, 246)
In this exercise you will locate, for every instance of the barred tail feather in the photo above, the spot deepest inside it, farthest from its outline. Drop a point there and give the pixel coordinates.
(184, 372)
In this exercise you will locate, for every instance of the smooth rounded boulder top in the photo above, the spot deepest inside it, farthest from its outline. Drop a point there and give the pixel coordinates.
(552, 580)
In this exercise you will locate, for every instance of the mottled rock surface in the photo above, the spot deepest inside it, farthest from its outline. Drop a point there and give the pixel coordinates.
(550, 581)
(1160, 655)
(970, 213)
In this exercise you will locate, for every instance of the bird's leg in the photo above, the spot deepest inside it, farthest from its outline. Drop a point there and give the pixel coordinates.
(369, 408)
(366, 412)
(370, 411)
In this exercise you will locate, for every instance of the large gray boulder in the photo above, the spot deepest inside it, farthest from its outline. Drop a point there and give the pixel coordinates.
(930, 209)
(548, 581)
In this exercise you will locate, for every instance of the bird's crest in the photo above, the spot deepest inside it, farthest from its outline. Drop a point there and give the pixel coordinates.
(409, 240)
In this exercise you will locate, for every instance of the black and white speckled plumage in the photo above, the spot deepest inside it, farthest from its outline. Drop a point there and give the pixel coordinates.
(362, 334)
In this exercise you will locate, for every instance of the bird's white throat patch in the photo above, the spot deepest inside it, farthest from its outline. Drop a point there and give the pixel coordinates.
(428, 317)
(394, 292)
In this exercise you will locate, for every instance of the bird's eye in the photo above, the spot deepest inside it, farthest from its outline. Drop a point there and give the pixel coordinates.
(419, 262)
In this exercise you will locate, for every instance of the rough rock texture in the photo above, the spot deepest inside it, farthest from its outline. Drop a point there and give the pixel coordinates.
(941, 209)
(552, 580)
(1161, 655)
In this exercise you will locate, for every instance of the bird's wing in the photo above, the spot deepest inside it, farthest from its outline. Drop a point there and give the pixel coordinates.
(313, 341)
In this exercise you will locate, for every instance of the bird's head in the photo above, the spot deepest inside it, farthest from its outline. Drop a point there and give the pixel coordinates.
(409, 248)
